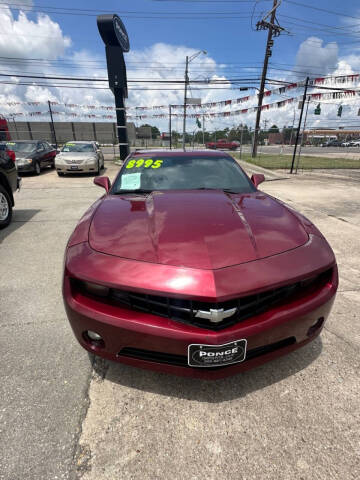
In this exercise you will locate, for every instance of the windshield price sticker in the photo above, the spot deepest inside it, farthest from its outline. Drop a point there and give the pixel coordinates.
(131, 181)
(148, 163)
(11, 143)
(70, 145)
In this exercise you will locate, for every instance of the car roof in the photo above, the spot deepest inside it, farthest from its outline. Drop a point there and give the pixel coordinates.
(81, 141)
(180, 153)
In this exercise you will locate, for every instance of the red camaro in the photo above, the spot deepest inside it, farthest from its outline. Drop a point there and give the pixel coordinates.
(185, 267)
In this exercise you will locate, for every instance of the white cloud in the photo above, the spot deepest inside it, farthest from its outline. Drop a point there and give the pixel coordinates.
(21, 37)
(314, 58)
(25, 38)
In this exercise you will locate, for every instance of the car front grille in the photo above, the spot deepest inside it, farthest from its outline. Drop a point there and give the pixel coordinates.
(182, 361)
(185, 311)
(74, 162)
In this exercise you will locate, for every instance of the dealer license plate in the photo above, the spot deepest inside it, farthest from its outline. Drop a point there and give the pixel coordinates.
(216, 355)
(74, 167)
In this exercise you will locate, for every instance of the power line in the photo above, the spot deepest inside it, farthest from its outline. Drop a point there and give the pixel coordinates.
(145, 15)
(321, 9)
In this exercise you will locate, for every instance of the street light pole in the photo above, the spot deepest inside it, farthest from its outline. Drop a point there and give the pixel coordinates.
(186, 83)
(170, 126)
(203, 128)
(185, 98)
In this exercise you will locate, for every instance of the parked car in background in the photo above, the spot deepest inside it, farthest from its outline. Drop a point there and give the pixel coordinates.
(9, 182)
(32, 155)
(79, 157)
(355, 143)
(223, 144)
(332, 143)
(185, 267)
(346, 144)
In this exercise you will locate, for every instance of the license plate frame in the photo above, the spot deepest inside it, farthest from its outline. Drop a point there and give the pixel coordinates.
(74, 167)
(216, 355)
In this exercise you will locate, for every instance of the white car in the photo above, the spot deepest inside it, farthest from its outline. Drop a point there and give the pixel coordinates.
(79, 157)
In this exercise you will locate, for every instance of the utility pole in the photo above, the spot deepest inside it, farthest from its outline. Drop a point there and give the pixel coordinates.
(52, 125)
(302, 136)
(299, 127)
(185, 98)
(170, 126)
(273, 30)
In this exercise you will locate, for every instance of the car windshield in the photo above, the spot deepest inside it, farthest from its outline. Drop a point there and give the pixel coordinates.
(148, 173)
(21, 146)
(78, 147)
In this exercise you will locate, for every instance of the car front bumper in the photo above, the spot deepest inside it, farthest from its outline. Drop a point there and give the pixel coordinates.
(152, 342)
(26, 167)
(72, 168)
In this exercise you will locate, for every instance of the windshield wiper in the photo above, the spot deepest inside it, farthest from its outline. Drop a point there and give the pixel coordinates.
(229, 190)
(137, 191)
(226, 190)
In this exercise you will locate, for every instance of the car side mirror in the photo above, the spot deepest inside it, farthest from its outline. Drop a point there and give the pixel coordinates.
(103, 182)
(257, 178)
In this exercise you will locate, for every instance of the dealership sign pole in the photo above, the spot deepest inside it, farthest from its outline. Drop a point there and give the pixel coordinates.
(115, 37)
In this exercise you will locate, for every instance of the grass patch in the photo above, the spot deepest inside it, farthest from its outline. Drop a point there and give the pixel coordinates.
(277, 162)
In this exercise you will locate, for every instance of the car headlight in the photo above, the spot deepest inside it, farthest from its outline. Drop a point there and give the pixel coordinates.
(23, 161)
(90, 160)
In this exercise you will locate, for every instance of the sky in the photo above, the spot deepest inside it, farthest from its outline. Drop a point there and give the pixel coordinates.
(40, 37)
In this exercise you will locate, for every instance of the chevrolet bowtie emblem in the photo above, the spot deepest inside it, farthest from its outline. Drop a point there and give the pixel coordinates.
(215, 315)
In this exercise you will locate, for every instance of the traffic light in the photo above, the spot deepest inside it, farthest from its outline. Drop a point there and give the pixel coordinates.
(339, 111)
(317, 110)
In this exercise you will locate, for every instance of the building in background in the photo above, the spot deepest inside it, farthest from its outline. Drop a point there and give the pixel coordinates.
(102, 132)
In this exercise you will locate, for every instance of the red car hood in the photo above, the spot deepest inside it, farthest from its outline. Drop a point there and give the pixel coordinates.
(195, 229)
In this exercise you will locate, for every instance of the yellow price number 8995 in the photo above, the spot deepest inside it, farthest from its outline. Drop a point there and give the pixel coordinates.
(149, 163)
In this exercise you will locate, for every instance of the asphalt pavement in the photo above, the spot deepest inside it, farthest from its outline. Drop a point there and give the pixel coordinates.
(294, 418)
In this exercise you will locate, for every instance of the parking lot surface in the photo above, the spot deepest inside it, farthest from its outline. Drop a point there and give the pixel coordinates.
(295, 418)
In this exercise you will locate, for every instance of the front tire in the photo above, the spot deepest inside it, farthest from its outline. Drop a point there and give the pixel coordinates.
(61, 174)
(37, 168)
(97, 172)
(5, 208)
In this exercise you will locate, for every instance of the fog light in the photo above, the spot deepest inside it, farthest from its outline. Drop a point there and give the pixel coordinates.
(93, 335)
(93, 339)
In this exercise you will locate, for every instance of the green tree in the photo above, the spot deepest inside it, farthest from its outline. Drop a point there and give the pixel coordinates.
(274, 129)
(288, 134)
(155, 132)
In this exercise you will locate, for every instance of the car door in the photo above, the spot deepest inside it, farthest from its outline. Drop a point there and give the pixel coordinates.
(41, 154)
(50, 153)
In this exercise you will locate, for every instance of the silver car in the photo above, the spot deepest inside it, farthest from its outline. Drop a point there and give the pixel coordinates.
(79, 157)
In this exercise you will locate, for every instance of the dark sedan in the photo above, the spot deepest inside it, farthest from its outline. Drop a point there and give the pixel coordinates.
(33, 155)
(9, 182)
